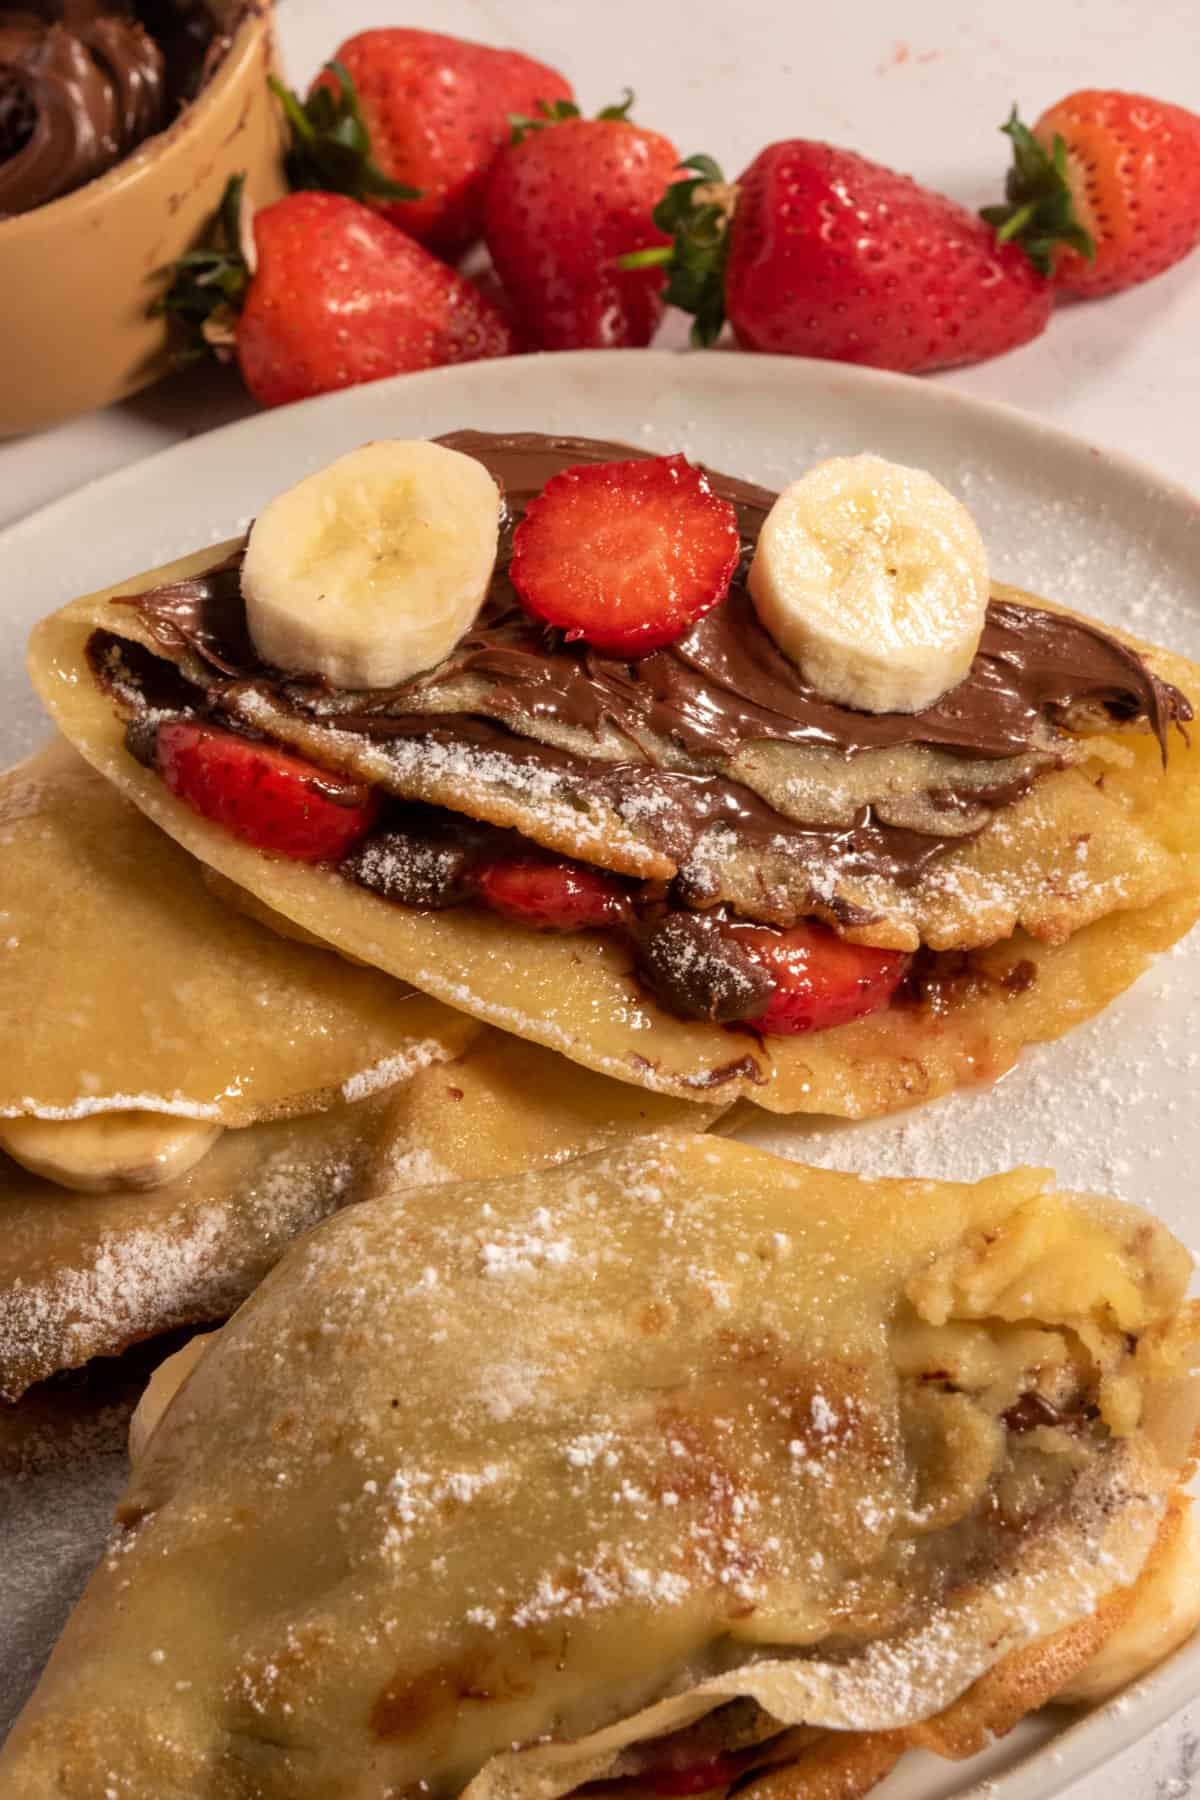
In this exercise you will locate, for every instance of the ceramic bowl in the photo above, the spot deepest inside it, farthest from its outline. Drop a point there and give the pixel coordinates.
(78, 276)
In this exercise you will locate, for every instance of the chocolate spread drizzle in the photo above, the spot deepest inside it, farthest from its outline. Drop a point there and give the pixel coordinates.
(723, 684)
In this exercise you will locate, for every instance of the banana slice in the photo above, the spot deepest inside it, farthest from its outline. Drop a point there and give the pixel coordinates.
(108, 1152)
(161, 1389)
(874, 580)
(371, 570)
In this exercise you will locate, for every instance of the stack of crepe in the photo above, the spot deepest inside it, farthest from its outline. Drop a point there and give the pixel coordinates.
(671, 1469)
(128, 991)
(1041, 909)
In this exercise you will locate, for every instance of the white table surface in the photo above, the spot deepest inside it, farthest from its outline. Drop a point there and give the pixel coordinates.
(922, 89)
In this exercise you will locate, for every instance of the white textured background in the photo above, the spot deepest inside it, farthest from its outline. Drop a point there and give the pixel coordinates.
(921, 87)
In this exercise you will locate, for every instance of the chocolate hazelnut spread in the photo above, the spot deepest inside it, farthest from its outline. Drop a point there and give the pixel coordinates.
(726, 682)
(723, 684)
(83, 83)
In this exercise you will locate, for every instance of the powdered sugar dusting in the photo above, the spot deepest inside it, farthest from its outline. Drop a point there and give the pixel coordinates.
(1109, 1108)
(391, 1070)
(88, 1105)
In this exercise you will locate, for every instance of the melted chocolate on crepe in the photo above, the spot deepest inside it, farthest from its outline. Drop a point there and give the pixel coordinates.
(723, 686)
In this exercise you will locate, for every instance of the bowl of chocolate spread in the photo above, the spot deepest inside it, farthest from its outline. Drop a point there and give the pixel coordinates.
(120, 123)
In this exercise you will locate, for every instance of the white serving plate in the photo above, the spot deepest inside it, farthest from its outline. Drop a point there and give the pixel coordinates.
(1111, 1107)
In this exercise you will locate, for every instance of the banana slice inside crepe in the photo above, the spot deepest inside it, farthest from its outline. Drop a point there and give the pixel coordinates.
(109, 1152)
(874, 580)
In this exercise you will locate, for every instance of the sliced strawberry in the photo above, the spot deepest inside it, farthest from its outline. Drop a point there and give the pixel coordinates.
(551, 895)
(266, 797)
(820, 979)
(695, 1778)
(626, 554)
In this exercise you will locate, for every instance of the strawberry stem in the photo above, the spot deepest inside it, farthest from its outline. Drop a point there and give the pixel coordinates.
(331, 146)
(695, 214)
(1039, 210)
(523, 123)
(208, 285)
(656, 256)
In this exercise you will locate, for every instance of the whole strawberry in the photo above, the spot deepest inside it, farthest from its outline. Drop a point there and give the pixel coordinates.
(411, 122)
(818, 252)
(1104, 191)
(336, 296)
(566, 200)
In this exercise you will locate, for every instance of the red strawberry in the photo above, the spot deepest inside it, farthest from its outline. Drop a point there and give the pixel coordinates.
(266, 797)
(412, 121)
(820, 979)
(563, 203)
(696, 1778)
(625, 554)
(551, 894)
(818, 252)
(338, 297)
(1104, 191)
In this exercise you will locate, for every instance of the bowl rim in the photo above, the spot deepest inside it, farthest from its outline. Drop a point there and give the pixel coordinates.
(251, 26)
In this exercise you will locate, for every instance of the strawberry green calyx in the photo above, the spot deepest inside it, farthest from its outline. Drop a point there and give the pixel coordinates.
(1039, 212)
(695, 214)
(523, 123)
(208, 285)
(331, 146)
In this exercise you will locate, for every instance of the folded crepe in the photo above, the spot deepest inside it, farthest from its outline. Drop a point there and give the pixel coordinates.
(1034, 836)
(130, 996)
(126, 988)
(124, 985)
(664, 1467)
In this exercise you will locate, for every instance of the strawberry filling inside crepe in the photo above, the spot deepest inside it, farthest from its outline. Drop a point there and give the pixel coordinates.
(618, 744)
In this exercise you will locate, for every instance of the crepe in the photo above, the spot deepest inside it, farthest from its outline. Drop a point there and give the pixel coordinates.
(488, 1487)
(124, 985)
(86, 1275)
(506, 1107)
(1102, 861)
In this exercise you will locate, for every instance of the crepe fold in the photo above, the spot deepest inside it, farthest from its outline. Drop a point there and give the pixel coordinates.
(126, 982)
(86, 1275)
(1069, 893)
(485, 1488)
(125, 985)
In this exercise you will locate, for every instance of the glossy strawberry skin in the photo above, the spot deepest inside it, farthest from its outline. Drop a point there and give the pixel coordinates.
(339, 297)
(551, 894)
(561, 206)
(833, 256)
(820, 979)
(266, 797)
(694, 1778)
(1133, 166)
(437, 109)
(625, 555)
